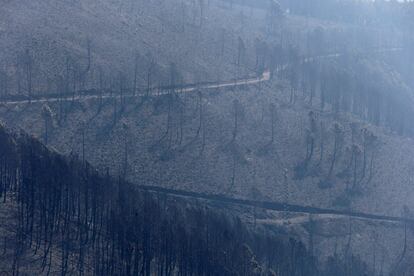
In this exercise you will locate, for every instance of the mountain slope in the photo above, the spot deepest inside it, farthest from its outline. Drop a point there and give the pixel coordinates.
(328, 130)
(59, 217)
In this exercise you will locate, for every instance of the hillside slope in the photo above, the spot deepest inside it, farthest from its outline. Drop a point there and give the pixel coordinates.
(330, 129)
(60, 217)
(87, 44)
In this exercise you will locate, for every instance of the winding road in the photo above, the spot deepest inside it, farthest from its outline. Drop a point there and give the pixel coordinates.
(189, 88)
(158, 91)
(276, 206)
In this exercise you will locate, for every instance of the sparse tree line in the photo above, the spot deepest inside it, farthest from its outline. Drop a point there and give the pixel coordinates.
(81, 75)
(96, 225)
(27, 75)
(75, 220)
(317, 84)
(74, 75)
(372, 13)
(336, 154)
(326, 88)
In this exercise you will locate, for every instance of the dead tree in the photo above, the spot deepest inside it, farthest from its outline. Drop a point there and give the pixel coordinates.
(272, 119)
(136, 60)
(321, 142)
(150, 72)
(125, 162)
(4, 84)
(368, 140)
(171, 98)
(202, 7)
(101, 88)
(241, 52)
(311, 136)
(122, 80)
(327, 182)
(236, 111)
(83, 73)
(47, 116)
(356, 153)
(337, 131)
(28, 68)
(200, 114)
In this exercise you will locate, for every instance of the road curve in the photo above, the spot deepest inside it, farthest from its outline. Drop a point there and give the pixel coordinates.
(276, 206)
(189, 88)
(266, 76)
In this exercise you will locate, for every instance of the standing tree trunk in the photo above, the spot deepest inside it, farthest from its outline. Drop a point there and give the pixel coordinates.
(236, 120)
(272, 115)
(337, 137)
(29, 73)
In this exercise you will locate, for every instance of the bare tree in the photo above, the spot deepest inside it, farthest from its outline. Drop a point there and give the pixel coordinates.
(241, 52)
(150, 72)
(125, 162)
(272, 119)
(83, 73)
(28, 66)
(356, 150)
(322, 142)
(236, 112)
(136, 61)
(368, 141)
(201, 3)
(47, 116)
(311, 136)
(338, 132)
(4, 83)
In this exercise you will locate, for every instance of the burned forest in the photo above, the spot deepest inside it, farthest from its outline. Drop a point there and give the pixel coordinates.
(207, 137)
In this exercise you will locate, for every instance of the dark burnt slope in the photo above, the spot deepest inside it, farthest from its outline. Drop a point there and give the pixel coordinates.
(59, 216)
